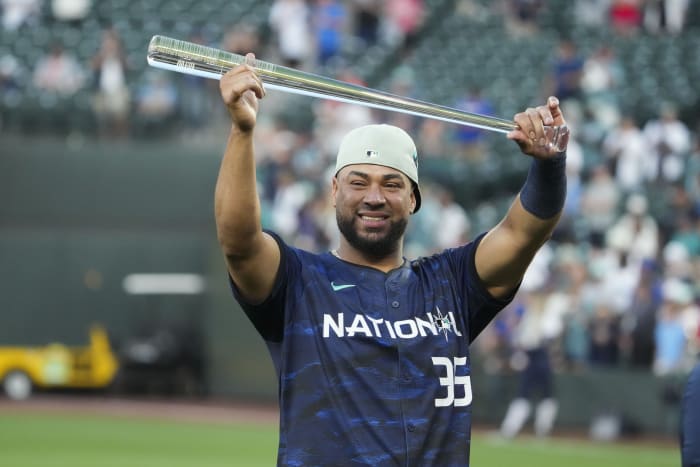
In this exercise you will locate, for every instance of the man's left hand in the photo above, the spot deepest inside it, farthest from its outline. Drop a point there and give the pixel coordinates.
(530, 134)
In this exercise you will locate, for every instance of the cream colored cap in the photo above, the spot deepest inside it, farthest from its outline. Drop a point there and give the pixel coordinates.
(385, 145)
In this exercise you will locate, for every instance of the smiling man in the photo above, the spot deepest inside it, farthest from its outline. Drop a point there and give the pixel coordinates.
(375, 189)
(372, 349)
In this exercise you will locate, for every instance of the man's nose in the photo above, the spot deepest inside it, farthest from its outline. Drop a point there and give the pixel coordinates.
(374, 195)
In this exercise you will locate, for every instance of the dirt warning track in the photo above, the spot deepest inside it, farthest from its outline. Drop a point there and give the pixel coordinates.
(160, 409)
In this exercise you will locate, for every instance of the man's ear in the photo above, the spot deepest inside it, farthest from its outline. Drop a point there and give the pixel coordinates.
(334, 188)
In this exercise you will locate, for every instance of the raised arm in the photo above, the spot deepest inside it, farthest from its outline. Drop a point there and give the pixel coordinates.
(507, 250)
(252, 256)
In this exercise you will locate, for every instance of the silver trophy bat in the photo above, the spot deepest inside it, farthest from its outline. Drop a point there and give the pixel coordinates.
(198, 60)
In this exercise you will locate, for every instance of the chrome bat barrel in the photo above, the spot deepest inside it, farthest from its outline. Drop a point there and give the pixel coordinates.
(195, 59)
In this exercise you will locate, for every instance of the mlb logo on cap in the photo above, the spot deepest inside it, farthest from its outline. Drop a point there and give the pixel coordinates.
(371, 153)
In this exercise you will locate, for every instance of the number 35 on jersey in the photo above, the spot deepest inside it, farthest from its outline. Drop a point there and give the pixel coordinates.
(458, 388)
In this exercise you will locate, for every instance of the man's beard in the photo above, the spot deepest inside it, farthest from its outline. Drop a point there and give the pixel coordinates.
(375, 248)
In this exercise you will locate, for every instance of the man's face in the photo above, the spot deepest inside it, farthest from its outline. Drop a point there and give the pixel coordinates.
(372, 204)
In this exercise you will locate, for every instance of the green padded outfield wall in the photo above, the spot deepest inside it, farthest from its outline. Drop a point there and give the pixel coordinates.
(76, 219)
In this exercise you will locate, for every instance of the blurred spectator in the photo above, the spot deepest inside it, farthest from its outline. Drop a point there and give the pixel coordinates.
(566, 71)
(593, 13)
(539, 326)
(325, 213)
(291, 195)
(10, 78)
(625, 16)
(290, 20)
(367, 20)
(403, 18)
(669, 144)
(70, 11)
(599, 203)
(690, 317)
(421, 234)
(601, 78)
(578, 296)
(687, 234)
(455, 226)
(471, 141)
(639, 320)
(671, 334)
(473, 9)
(277, 150)
(310, 233)
(604, 334)
(10, 85)
(16, 13)
(691, 179)
(676, 261)
(665, 15)
(626, 151)
(58, 72)
(617, 273)
(112, 94)
(401, 83)
(522, 16)
(330, 23)
(241, 39)
(307, 161)
(636, 231)
(497, 345)
(433, 140)
(568, 228)
(156, 102)
(671, 206)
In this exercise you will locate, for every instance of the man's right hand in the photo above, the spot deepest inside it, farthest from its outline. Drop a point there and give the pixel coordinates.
(240, 90)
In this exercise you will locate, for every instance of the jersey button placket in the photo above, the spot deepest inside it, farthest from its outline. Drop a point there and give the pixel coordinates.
(393, 291)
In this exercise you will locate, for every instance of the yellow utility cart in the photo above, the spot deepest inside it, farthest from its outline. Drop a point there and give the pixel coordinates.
(58, 366)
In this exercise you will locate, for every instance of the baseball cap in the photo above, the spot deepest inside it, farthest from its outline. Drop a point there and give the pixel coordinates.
(382, 144)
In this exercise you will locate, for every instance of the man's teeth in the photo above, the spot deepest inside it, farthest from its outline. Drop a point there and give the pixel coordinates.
(369, 218)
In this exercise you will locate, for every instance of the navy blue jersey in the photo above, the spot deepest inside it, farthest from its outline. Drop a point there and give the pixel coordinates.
(374, 367)
(690, 421)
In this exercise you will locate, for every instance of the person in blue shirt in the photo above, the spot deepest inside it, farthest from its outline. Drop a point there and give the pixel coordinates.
(371, 349)
(690, 421)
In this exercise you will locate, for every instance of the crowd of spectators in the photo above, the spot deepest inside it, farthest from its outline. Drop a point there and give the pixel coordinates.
(618, 283)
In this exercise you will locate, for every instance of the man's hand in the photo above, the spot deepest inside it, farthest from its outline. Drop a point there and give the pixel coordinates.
(240, 90)
(530, 135)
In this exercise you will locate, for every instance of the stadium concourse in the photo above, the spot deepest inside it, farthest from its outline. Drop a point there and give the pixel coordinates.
(616, 287)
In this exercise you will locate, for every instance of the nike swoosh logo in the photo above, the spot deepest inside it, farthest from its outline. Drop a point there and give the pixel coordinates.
(337, 287)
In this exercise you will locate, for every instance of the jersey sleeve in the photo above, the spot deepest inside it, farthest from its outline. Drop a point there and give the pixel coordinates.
(268, 316)
(481, 305)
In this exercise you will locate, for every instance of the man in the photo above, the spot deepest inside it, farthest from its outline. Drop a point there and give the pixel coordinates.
(372, 350)
(533, 334)
(690, 421)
